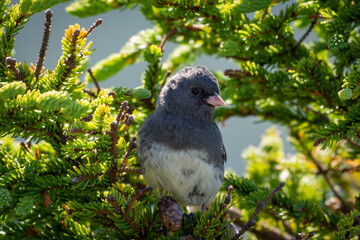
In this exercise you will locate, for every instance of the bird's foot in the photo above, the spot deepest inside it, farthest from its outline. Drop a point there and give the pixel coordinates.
(162, 230)
(187, 217)
(203, 207)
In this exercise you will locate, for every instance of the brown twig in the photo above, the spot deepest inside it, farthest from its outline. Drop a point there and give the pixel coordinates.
(236, 73)
(352, 143)
(132, 146)
(123, 108)
(321, 170)
(114, 127)
(260, 206)
(324, 173)
(171, 33)
(118, 210)
(92, 27)
(139, 194)
(266, 232)
(94, 80)
(26, 147)
(11, 64)
(90, 93)
(167, 74)
(44, 43)
(313, 22)
(227, 198)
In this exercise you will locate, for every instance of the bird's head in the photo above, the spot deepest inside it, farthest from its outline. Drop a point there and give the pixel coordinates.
(192, 92)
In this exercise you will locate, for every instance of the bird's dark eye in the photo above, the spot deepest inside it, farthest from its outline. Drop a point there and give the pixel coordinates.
(195, 91)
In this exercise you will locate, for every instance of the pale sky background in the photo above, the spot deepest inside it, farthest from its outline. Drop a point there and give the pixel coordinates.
(109, 37)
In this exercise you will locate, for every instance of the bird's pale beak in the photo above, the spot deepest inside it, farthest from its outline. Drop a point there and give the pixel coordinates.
(215, 100)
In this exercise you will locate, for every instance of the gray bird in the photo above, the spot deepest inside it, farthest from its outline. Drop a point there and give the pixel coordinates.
(179, 146)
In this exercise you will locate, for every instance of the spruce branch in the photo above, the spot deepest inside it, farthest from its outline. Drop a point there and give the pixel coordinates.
(260, 206)
(220, 213)
(94, 80)
(44, 43)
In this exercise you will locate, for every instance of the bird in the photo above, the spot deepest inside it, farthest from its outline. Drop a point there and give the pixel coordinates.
(179, 145)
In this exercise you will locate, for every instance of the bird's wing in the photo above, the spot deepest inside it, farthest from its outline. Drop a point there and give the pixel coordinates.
(223, 152)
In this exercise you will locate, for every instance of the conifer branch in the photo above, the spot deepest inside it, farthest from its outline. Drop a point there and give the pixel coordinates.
(221, 213)
(44, 43)
(260, 206)
(94, 80)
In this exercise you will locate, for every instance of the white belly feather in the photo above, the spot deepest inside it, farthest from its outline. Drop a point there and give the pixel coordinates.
(183, 173)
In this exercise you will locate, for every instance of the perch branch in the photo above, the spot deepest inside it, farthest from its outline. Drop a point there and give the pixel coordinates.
(266, 232)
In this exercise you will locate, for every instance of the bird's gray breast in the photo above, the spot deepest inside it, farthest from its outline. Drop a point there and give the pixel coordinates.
(186, 174)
